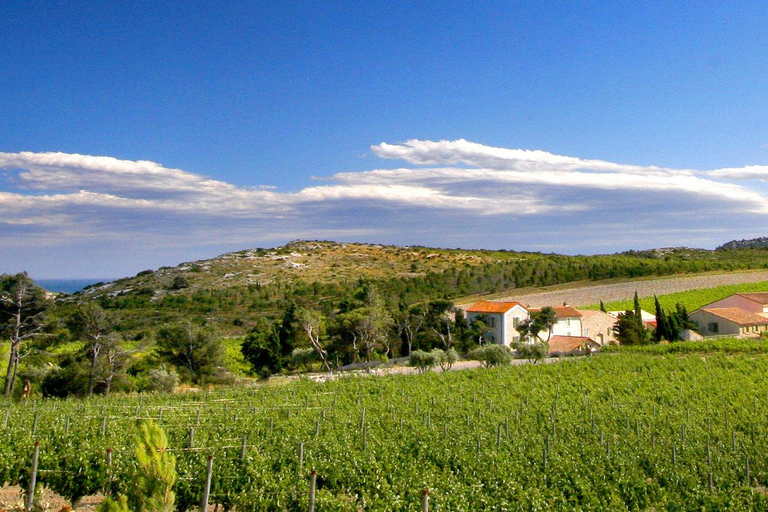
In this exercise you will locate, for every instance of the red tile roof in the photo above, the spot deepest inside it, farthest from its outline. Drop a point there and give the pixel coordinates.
(568, 344)
(492, 307)
(738, 315)
(566, 311)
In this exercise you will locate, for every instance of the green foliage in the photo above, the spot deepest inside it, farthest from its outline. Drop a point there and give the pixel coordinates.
(534, 352)
(607, 424)
(154, 476)
(423, 361)
(491, 354)
(538, 322)
(629, 329)
(447, 359)
(691, 299)
(195, 352)
(179, 283)
(161, 380)
(23, 306)
(304, 358)
(261, 348)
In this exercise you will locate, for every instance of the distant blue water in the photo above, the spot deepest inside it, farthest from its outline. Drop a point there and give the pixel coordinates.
(68, 285)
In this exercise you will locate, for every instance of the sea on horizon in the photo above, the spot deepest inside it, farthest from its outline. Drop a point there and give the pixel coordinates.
(68, 285)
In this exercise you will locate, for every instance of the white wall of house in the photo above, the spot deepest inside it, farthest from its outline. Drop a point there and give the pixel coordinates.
(502, 326)
(566, 326)
(709, 324)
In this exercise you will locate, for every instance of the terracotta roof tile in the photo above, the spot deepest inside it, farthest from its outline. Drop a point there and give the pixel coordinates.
(492, 307)
(566, 311)
(568, 344)
(738, 315)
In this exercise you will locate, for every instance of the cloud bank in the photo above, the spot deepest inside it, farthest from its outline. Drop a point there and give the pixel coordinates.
(449, 193)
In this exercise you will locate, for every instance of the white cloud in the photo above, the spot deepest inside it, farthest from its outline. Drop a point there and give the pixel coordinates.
(750, 172)
(449, 191)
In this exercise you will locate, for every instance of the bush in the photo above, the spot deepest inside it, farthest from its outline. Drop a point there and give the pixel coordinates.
(423, 361)
(534, 352)
(447, 359)
(162, 380)
(179, 282)
(305, 357)
(491, 355)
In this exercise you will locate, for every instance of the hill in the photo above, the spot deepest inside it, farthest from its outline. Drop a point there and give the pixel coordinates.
(233, 290)
(753, 243)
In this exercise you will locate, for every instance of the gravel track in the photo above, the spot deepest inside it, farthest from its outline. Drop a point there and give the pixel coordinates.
(588, 295)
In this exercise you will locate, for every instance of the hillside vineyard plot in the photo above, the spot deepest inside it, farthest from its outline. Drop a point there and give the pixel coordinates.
(619, 431)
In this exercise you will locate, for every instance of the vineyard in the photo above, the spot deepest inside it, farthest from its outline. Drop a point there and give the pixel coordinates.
(625, 430)
(691, 299)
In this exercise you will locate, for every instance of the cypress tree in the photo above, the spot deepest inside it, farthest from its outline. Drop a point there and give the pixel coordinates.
(662, 325)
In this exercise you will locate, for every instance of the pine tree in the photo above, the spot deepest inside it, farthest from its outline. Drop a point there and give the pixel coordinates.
(155, 474)
(602, 307)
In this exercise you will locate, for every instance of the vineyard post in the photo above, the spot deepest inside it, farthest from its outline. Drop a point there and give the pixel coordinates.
(429, 419)
(425, 500)
(33, 477)
(733, 440)
(104, 426)
(244, 446)
(312, 486)
(7, 414)
(498, 439)
(271, 425)
(197, 420)
(109, 466)
(207, 491)
(66, 427)
(191, 437)
(301, 457)
(674, 455)
(747, 469)
(365, 438)
(317, 429)
(506, 425)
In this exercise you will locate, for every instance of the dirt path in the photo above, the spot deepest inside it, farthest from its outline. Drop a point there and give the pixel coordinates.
(592, 294)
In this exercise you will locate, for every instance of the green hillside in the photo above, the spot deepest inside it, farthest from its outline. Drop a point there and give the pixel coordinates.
(232, 291)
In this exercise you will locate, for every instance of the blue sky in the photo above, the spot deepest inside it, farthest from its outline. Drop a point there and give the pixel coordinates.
(135, 135)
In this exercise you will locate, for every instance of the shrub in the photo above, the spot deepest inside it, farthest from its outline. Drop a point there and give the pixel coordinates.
(162, 380)
(305, 357)
(447, 359)
(534, 352)
(423, 361)
(491, 355)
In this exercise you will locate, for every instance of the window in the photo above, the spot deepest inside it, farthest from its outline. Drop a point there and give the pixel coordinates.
(586, 331)
(491, 338)
(568, 322)
(515, 322)
(491, 321)
(713, 327)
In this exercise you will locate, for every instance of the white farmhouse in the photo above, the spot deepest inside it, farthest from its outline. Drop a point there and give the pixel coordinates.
(502, 319)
